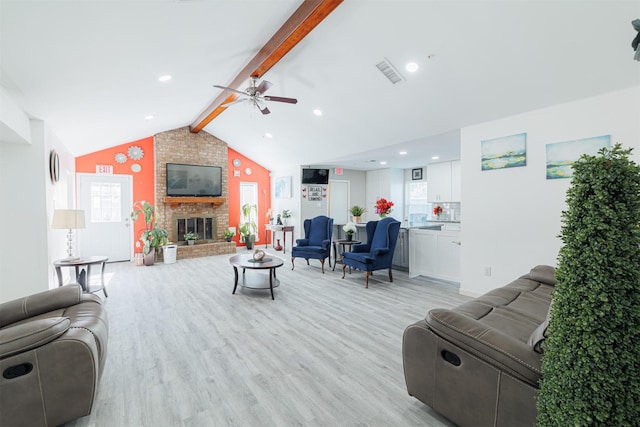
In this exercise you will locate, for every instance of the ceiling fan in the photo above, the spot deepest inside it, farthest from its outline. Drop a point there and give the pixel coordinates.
(255, 94)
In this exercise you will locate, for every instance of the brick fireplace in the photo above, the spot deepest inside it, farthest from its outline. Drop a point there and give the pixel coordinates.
(182, 146)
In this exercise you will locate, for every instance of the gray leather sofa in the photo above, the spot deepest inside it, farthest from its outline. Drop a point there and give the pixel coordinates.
(53, 347)
(479, 364)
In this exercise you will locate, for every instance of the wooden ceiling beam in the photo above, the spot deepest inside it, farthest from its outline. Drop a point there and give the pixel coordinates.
(308, 15)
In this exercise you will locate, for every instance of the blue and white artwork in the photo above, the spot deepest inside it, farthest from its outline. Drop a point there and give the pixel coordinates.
(505, 152)
(562, 155)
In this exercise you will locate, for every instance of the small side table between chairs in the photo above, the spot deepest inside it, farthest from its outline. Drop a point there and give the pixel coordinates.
(344, 244)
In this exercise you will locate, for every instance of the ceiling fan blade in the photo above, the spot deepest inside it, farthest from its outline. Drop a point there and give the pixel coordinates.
(264, 86)
(237, 101)
(281, 99)
(231, 89)
(263, 108)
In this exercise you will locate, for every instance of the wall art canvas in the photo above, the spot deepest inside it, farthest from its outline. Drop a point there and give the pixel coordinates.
(505, 152)
(562, 155)
(283, 187)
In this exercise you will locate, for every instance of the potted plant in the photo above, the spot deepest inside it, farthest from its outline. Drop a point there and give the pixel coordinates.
(357, 212)
(349, 228)
(152, 237)
(228, 234)
(286, 214)
(248, 228)
(590, 360)
(191, 238)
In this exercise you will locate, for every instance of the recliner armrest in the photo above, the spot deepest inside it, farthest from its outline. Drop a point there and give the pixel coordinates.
(25, 336)
(43, 302)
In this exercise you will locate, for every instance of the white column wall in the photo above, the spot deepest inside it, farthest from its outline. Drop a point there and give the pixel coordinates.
(512, 217)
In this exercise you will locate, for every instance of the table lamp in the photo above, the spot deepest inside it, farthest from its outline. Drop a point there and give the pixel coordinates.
(68, 219)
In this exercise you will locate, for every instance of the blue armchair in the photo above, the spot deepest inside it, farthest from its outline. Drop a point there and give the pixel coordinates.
(317, 241)
(377, 253)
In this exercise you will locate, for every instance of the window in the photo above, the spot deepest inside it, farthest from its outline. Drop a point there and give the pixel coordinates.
(106, 202)
(417, 206)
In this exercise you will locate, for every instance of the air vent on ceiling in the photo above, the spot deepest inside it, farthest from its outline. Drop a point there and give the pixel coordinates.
(389, 71)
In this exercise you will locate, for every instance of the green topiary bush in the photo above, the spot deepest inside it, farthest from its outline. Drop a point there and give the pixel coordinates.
(591, 364)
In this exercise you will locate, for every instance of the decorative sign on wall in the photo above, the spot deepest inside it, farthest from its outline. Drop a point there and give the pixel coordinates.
(314, 193)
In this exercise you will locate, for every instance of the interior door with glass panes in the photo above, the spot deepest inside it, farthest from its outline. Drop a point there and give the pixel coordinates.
(106, 201)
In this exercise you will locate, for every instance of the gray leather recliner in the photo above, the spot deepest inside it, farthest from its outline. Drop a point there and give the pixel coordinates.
(479, 364)
(53, 347)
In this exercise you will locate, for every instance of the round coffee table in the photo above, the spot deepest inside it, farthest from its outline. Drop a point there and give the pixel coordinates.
(258, 281)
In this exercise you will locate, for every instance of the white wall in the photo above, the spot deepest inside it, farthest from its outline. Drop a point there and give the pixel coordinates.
(28, 199)
(14, 122)
(512, 217)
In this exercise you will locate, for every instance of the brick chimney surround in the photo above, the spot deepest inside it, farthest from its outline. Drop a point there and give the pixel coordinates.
(182, 146)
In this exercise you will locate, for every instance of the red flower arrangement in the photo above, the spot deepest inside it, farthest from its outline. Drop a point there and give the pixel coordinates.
(383, 207)
(437, 210)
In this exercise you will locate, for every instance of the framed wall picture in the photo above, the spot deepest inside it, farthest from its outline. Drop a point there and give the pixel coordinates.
(416, 174)
(283, 187)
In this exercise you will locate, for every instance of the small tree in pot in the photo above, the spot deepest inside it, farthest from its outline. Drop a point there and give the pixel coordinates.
(590, 366)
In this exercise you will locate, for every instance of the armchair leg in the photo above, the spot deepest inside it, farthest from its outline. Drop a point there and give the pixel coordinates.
(307, 261)
(322, 262)
(390, 276)
(292, 266)
(343, 270)
(366, 278)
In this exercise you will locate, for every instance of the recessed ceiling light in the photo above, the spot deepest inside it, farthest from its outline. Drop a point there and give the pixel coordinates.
(403, 153)
(268, 135)
(149, 117)
(411, 67)
(164, 78)
(383, 162)
(435, 157)
(317, 112)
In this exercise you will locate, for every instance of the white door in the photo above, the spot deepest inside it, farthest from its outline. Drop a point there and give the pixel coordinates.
(339, 201)
(106, 201)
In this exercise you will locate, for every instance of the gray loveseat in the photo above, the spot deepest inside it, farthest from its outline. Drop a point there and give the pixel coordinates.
(479, 364)
(53, 347)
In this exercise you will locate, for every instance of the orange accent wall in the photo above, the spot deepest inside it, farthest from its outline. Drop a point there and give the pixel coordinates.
(143, 181)
(260, 175)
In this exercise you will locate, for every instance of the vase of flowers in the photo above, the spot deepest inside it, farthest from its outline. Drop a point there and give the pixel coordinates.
(437, 210)
(383, 207)
(349, 228)
(286, 214)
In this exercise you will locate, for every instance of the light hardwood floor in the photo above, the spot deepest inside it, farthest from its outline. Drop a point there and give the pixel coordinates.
(184, 351)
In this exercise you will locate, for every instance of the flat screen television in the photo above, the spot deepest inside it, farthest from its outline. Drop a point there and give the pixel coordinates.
(194, 180)
(315, 176)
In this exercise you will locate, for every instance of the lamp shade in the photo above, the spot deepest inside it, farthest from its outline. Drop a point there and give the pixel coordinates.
(68, 219)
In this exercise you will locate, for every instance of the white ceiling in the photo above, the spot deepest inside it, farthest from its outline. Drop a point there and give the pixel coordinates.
(89, 68)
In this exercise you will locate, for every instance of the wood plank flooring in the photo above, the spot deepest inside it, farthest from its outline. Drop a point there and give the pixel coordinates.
(184, 351)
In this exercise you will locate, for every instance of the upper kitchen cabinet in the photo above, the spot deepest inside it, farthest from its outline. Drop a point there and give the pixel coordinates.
(443, 182)
(387, 183)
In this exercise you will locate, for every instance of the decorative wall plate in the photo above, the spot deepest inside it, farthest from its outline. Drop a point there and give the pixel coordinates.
(248, 171)
(236, 162)
(135, 152)
(121, 158)
(136, 167)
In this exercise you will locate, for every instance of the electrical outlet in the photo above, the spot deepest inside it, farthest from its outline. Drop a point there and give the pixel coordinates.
(487, 270)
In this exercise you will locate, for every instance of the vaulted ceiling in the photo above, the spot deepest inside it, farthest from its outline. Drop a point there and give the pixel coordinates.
(90, 69)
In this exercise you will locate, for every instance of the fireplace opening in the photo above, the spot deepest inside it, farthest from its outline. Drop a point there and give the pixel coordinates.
(203, 226)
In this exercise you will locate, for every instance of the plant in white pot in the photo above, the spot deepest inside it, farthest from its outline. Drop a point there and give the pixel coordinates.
(191, 238)
(248, 228)
(286, 214)
(357, 212)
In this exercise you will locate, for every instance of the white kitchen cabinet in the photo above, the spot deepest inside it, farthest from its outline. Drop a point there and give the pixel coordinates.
(434, 254)
(443, 182)
(387, 183)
